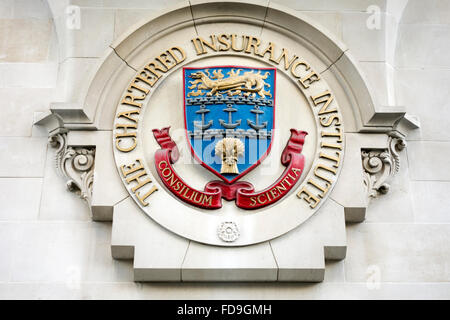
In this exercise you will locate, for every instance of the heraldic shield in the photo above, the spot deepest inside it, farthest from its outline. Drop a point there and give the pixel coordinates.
(229, 117)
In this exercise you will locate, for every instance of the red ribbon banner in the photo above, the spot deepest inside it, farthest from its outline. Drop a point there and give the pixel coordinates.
(242, 192)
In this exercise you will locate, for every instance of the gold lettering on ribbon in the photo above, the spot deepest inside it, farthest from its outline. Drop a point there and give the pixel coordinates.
(136, 174)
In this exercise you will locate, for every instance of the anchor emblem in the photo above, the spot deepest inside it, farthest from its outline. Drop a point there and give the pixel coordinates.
(229, 124)
(202, 125)
(256, 125)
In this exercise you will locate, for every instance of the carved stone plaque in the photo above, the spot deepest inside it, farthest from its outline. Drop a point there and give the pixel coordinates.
(228, 142)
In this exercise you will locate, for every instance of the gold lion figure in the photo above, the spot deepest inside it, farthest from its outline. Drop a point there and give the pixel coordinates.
(229, 150)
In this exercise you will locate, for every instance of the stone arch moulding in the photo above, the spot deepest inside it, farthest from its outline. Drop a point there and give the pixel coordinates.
(374, 137)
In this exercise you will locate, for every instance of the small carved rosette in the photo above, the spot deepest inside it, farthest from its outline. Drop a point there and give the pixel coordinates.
(228, 231)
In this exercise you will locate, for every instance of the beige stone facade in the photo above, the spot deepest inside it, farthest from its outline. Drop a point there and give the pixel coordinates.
(50, 246)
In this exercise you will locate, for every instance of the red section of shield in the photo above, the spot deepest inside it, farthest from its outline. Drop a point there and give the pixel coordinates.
(205, 165)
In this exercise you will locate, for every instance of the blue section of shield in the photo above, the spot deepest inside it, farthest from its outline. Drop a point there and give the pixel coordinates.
(246, 115)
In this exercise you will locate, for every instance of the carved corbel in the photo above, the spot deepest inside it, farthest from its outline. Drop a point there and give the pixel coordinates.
(381, 164)
(76, 164)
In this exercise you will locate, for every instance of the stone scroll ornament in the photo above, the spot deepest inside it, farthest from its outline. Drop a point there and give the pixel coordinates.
(242, 192)
(76, 164)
